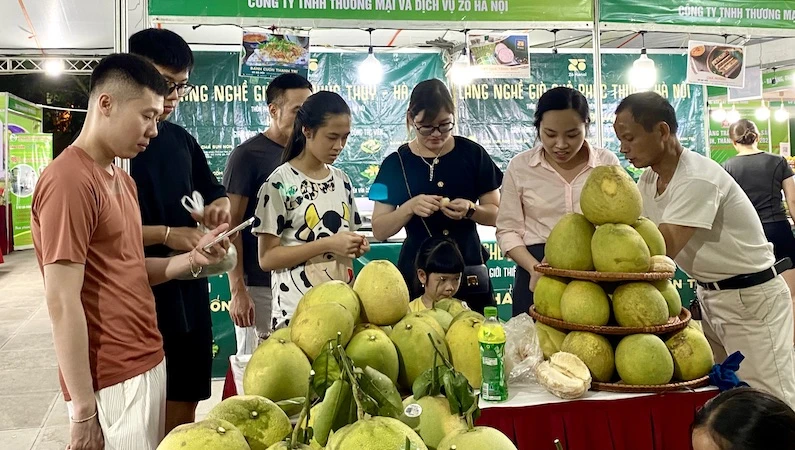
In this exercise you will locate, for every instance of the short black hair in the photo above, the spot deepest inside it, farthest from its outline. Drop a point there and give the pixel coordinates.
(747, 418)
(132, 70)
(430, 97)
(163, 47)
(283, 83)
(648, 109)
(439, 255)
(559, 99)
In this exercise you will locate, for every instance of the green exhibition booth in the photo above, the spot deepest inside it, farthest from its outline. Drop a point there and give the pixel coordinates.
(227, 108)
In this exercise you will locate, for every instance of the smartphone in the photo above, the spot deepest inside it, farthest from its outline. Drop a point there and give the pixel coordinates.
(226, 233)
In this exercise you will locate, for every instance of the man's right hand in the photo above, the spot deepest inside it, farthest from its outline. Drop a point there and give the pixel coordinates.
(183, 238)
(241, 309)
(86, 436)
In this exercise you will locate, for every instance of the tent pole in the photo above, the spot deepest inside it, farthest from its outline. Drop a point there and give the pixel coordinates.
(120, 46)
(597, 75)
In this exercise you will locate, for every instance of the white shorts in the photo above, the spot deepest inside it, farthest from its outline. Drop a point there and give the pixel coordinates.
(132, 413)
(758, 322)
(248, 338)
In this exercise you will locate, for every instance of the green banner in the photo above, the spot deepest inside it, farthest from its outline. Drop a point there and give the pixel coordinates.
(383, 10)
(28, 155)
(719, 13)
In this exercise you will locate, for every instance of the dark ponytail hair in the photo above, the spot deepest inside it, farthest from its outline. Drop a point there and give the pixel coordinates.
(744, 132)
(560, 99)
(438, 255)
(314, 113)
(747, 418)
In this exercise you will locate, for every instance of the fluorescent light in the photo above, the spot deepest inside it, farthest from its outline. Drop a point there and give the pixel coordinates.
(462, 72)
(719, 115)
(763, 112)
(53, 67)
(370, 70)
(733, 115)
(643, 74)
(782, 115)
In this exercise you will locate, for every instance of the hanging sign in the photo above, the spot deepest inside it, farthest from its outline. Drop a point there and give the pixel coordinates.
(714, 64)
(499, 56)
(717, 13)
(269, 55)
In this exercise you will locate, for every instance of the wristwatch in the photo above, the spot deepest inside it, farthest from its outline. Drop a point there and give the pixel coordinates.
(471, 211)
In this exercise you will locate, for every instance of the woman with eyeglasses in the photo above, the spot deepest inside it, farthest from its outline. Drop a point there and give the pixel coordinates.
(438, 185)
(544, 183)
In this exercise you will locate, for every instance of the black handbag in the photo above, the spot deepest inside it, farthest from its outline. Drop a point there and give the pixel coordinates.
(475, 281)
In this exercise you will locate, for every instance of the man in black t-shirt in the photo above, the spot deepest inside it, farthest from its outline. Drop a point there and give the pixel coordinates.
(174, 166)
(249, 165)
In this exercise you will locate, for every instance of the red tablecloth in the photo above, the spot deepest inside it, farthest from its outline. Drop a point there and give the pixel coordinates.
(655, 422)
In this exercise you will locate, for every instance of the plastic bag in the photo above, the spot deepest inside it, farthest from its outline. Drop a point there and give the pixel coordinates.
(522, 350)
(195, 205)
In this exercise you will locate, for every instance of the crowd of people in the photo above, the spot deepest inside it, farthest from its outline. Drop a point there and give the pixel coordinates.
(123, 261)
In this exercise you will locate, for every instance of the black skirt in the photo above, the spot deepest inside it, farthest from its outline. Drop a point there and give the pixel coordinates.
(522, 295)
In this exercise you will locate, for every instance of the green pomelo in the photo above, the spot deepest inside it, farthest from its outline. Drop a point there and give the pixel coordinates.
(466, 314)
(585, 303)
(375, 433)
(696, 325)
(478, 438)
(569, 243)
(547, 295)
(415, 351)
(435, 420)
(639, 304)
(433, 323)
(368, 326)
(451, 305)
(644, 359)
(374, 348)
(651, 235)
(318, 324)
(610, 195)
(383, 293)
(278, 370)
(281, 333)
(260, 420)
(619, 248)
(691, 353)
(441, 316)
(462, 338)
(286, 446)
(550, 339)
(594, 350)
(671, 296)
(334, 291)
(207, 434)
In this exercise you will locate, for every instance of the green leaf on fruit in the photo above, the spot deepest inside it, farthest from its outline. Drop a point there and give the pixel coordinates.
(380, 388)
(327, 370)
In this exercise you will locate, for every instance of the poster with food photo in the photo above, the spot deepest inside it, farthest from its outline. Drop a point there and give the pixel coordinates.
(715, 64)
(500, 56)
(269, 55)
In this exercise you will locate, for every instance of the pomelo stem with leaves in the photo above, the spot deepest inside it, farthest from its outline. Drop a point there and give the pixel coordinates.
(346, 364)
(446, 362)
(299, 429)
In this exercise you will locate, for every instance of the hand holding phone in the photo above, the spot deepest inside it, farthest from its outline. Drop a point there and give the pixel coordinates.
(227, 233)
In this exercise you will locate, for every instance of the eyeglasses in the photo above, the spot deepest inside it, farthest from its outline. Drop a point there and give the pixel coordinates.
(182, 89)
(427, 130)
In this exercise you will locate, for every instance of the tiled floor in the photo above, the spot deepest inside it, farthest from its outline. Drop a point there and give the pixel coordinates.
(32, 410)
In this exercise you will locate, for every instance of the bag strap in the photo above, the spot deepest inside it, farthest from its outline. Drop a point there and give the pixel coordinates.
(430, 235)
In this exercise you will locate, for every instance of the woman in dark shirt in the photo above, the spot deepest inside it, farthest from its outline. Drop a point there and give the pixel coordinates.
(763, 176)
(436, 185)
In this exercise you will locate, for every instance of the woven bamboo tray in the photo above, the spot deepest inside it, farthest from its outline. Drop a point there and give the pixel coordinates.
(590, 275)
(645, 388)
(674, 324)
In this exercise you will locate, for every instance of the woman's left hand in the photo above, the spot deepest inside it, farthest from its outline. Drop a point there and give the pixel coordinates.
(364, 248)
(456, 209)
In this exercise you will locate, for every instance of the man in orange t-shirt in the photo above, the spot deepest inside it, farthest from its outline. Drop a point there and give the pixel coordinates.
(87, 233)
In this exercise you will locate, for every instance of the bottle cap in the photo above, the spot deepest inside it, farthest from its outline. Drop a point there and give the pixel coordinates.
(490, 311)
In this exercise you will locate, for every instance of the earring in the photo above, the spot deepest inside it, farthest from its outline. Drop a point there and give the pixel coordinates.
(423, 286)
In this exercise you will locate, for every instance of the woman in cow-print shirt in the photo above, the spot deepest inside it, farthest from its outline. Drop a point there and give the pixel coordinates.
(307, 215)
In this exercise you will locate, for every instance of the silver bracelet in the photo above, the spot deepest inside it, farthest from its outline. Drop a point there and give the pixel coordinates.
(193, 272)
(165, 239)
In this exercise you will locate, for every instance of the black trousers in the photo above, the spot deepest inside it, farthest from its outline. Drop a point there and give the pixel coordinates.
(522, 295)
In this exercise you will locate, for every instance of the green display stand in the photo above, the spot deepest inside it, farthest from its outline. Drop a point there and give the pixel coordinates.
(501, 269)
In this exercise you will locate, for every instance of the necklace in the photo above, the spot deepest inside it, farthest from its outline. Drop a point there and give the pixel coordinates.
(430, 165)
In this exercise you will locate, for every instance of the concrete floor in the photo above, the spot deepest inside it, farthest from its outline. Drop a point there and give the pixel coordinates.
(32, 410)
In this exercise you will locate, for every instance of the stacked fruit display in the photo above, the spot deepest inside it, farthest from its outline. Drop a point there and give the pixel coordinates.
(342, 365)
(607, 298)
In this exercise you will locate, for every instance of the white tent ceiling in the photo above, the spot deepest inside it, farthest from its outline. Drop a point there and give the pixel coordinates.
(85, 27)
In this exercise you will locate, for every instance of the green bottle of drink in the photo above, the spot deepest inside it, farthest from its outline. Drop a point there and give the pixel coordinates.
(492, 358)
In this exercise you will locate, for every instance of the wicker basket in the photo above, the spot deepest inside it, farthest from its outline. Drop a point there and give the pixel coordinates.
(646, 388)
(589, 275)
(674, 324)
